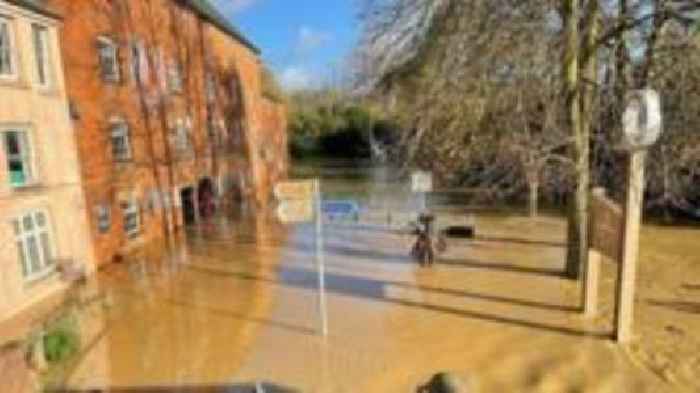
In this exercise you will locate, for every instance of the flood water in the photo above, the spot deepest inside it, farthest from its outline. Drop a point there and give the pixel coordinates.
(237, 303)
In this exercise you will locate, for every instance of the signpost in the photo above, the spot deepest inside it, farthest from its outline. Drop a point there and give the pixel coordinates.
(320, 263)
(642, 126)
(615, 230)
(296, 211)
(300, 201)
(295, 190)
(422, 183)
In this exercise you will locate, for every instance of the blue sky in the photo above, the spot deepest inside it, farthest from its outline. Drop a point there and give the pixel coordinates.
(303, 41)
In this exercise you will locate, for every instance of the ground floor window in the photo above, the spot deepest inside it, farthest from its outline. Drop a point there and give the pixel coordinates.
(18, 153)
(104, 218)
(33, 240)
(132, 218)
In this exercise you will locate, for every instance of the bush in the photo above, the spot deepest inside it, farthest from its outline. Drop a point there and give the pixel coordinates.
(61, 340)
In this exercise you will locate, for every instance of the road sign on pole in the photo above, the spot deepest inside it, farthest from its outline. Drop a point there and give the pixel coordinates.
(642, 126)
(320, 262)
(295, 190)
(295, 211)
(421, 181)
(300, 201)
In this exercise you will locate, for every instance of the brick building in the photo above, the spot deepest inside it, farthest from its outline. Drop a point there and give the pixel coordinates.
(170, 116)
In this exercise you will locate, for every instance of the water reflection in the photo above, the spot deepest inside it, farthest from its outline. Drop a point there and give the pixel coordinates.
(235, 300)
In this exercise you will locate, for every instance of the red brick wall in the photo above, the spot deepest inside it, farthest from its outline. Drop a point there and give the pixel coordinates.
(162, 26)
(15, 374)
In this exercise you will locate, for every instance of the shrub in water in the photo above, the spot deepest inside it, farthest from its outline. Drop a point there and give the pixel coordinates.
(61, 341)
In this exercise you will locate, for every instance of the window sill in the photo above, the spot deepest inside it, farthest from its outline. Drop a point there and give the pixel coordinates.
(49, 91)
(111, 80)
(13, 83)
(28, 187)
(132, 236)
(183, 155)
(37, 279)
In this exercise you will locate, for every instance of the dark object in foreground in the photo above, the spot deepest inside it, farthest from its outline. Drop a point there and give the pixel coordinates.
(460, 232)
(234, 388)
(443, 383)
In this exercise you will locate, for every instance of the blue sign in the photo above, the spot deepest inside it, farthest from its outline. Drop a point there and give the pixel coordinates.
(341, 210)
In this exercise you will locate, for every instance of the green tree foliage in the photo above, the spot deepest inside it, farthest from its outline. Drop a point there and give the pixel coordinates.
(325, 123)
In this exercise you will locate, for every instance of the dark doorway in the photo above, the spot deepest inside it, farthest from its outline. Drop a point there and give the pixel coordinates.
(206, 198)
(189, 214)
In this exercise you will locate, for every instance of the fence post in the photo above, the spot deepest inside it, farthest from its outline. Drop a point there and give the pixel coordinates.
(590, 291)
(627, 269)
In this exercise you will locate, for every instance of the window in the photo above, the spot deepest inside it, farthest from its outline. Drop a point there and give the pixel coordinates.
(18, 154)
(212, 132)
(33, 241)
(132, 218)
(175, 78)
(160, 67)
(181, 137)
(109, 60)
(7, 65)
(121, 145)
(104, 218)
(41, 52)
(210, 87)
(140, 66)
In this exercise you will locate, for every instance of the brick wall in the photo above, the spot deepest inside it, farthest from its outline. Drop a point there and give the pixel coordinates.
(15, 374)
(223, 120)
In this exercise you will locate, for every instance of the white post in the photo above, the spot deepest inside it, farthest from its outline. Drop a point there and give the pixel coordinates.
(627, 271)
(590, 284)
(320, 264)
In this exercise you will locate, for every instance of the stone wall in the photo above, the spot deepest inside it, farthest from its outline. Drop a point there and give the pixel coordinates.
(15, 373)
(55, 187)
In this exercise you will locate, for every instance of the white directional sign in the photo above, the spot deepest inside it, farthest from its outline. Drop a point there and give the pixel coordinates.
(300, 201)
(642, 120)
(296, 201)
(421, 181)
(295, 190)
(295, 211)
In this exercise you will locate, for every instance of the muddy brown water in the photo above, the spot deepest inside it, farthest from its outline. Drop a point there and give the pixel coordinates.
(236, 303)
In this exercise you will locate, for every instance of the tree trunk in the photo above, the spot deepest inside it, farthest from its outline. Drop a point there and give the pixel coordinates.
(621, 56)
(578, 214)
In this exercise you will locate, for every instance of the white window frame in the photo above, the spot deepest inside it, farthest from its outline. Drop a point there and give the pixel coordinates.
(181, 137)
(103, 213)
(42, 55)
(129, 208)
(175, 80)
(113, 75)
(42, 235)
(120, 128)
(213, 132)
(13, 73)
(210, 87)
(140, 63)
(26, 156)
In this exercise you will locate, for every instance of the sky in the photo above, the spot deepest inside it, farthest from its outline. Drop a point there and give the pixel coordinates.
(303, 41)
